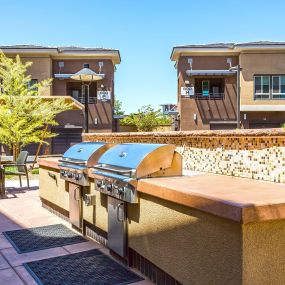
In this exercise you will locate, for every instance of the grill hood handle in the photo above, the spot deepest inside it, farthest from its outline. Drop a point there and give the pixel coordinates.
(72, 162)
(100, 167)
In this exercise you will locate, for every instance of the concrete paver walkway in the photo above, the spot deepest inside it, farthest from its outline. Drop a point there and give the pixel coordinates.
(22, 209)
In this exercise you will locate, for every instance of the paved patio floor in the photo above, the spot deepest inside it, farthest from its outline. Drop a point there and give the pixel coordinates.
(22, 209)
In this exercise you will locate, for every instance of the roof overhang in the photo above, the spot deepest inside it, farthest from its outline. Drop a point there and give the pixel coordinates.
(210, 72)
(256, 47)
(224, 49)
(262, 108)
(223, 122)
(62, 75)
(195, 51)
(59, 53)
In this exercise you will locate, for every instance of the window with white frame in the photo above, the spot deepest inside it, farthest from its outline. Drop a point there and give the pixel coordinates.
(278, 86)
(262, 87)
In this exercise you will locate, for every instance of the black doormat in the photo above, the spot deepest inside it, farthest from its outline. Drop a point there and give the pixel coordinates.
(33, 239)
(90, 267)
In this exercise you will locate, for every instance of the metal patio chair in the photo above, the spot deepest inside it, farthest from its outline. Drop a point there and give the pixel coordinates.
(21, 167)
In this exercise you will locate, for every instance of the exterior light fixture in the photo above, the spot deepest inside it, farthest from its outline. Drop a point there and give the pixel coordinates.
(229, 61)
(101, 64)
(237, 69)
(244, 116)
(190, 61)
(86, 76)
(195, 117)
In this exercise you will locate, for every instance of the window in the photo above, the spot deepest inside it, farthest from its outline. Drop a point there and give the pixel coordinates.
(269, 87)
(262, 87)
(31, 84)
(278, 87)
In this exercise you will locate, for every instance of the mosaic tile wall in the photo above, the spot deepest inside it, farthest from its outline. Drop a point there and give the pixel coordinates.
(256, 155)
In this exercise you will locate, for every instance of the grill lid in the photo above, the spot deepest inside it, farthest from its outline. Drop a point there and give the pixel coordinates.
(136, 159)
(84, 154)
(82, 151)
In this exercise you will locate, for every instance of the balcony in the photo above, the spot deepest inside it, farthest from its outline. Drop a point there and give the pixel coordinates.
(209, 96)
(81, 99)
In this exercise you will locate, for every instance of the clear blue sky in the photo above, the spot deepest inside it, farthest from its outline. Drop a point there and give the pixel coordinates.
(144, 31)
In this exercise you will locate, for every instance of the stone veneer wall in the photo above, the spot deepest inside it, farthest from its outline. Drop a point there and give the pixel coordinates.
(257, 154)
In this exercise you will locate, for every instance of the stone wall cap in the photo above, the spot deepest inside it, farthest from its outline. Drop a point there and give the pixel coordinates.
(203, 133)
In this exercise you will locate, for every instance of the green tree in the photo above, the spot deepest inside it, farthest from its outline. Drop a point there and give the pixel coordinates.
(146, 119)
(118, 110)
(24, 114)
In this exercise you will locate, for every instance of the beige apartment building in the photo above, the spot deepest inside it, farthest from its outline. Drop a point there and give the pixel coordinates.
(60, 63)
(207, 85)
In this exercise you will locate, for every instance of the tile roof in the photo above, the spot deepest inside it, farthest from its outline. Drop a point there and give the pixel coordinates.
(59, 48)
(231, 45)
(212, 45)
(260, 43)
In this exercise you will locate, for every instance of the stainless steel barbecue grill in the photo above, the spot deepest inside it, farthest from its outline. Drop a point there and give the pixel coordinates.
(117, 174)
(119, 169)
(78, 159)
(74, 167)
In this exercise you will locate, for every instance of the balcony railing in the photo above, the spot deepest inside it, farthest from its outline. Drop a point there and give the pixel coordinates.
(209, 96)
(81, 99)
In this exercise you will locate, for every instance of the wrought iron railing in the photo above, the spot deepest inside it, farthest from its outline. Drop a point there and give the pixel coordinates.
(92, 100)
(209, 96)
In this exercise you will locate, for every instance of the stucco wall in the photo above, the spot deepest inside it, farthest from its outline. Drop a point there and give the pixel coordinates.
(259, 63)
(54, 191)
(263, 248)
(98, 214)
(257, 154)
(206, 110)
(191, 246)
(41, 69)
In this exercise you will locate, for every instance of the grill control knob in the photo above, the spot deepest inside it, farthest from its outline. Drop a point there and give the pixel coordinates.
(69, 174)
(99, 184)
(121, 190)
(76, 176)
(109, 187)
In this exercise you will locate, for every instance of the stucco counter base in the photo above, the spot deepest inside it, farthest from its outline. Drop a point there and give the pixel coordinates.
(200, 229)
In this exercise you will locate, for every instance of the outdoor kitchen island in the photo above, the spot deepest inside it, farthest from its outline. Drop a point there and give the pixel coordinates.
(197, 229)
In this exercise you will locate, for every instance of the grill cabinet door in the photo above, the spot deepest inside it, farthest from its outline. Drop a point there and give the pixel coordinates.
(75, 205)
(117, 226)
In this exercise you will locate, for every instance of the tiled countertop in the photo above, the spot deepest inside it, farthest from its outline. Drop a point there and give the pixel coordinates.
(239, 199)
